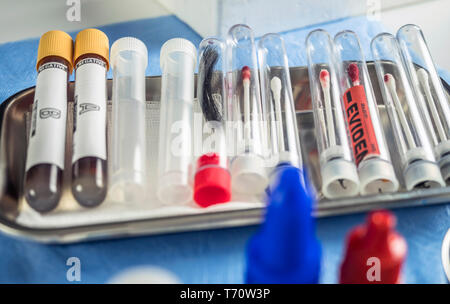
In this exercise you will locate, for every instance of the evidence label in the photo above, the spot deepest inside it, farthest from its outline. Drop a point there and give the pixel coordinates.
(362, 133)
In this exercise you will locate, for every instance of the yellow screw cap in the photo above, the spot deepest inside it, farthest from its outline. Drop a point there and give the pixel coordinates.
(55, 43)
(92, 41)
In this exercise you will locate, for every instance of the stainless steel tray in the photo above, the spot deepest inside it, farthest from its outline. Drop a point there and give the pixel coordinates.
(72, 223)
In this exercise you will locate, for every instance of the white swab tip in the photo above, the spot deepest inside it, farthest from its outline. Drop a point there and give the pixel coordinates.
(423, 75)
(275, 84)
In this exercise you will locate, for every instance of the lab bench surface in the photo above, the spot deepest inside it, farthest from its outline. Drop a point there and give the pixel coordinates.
(214, 256)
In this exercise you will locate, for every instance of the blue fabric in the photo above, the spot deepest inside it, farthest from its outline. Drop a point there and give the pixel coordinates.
(215, 256)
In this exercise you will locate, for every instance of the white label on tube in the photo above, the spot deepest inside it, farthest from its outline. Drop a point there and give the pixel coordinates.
(89, 137)
(48, 123)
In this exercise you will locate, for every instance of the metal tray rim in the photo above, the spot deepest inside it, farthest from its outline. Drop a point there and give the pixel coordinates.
(193, 222)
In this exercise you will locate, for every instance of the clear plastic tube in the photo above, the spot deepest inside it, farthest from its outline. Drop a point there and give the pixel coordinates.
(248, 168)
(212, 180)
(431, 98)
(128, 147)
(338, 170)
(178, 59)
(279, 103)
(376, 173)
(419, 165)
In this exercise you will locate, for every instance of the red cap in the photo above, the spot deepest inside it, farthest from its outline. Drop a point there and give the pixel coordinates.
(212, 183)
(375, 252)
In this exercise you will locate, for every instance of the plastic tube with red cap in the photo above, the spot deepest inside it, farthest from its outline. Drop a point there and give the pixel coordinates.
(212, 181)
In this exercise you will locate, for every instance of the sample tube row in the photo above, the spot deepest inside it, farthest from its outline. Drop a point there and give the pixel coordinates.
(249, 124)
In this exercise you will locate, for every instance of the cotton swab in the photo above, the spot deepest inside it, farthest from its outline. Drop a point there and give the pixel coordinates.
(389, 80)
(275, 86)
(325, 84)
(246, 84)
(423, 79)
(353, 73)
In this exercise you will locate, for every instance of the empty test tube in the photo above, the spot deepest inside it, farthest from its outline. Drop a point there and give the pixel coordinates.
(89, 166)
(46, 145)
(418, 162)
(248, 168)
(431, 98)
(277, 98)
(212, 178)
(338, 170)
(376, 173)
(178, 59)
(128, 143)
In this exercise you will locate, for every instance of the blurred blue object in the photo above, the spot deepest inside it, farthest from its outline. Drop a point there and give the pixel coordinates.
(285, 249)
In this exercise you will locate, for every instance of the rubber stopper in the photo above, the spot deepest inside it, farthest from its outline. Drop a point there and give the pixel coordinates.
(212, 183)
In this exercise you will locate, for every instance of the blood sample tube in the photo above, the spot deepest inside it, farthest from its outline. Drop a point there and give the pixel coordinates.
(178, 59)
(432, 101)
(129, 58)
(376, 173)
(418, 162)
(89, 166)
(46, 145)
(338, 170)
(277, 97)
(212, 179)
(248, 167)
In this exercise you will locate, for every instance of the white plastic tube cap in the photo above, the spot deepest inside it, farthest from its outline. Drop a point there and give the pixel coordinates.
(423, 174)
(377, 176)
(248, 174)
(128, 44)
(339, 179)
(177, 45)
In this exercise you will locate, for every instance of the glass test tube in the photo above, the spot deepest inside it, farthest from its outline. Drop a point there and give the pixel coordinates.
(178, 59)
(279, 103)
(248, 168)
(212, 179)
(89, 166)
(128, 143)
(338, 170)
(46, 145)
(376, 173)
(418, 162)
(432, 100)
